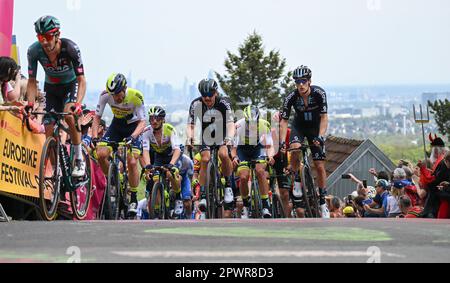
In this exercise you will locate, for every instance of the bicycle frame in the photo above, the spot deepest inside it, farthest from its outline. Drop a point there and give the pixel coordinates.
(64, 156)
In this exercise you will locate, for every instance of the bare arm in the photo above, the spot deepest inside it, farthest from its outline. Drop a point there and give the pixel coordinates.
(31, 90)
(231, 130)
(283, 130)
(190, 132)
(147, 159)
(323, 125)
(81, 88)
(139, 129)
(95, 125)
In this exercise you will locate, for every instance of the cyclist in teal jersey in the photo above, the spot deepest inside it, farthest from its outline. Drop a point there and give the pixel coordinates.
(65, 84)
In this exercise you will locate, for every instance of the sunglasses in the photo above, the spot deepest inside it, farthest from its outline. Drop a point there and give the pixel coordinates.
(47, 37)
(156, 118)
(301, 81)
(210, 94)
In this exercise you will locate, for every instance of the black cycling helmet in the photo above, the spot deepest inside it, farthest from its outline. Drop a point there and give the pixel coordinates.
(302, 72)
(207, 87)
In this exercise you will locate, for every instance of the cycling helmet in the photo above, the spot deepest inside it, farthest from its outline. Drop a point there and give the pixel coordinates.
(47, 24)
(208, 87)
(251, 113)
(157, 111)
(116, 83)
(302, 72)
(383, 184)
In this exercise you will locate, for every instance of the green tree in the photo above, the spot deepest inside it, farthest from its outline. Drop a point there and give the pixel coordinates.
(253, 76)
(441, 111)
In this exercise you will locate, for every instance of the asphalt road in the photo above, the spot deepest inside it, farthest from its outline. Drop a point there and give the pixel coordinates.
(223, 241)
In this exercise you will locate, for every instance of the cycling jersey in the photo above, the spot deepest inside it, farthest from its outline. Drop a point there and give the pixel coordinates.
(212, 119)
(68, 66)
(251, 135)
(309, 116)
(132, 109)
(169, 140)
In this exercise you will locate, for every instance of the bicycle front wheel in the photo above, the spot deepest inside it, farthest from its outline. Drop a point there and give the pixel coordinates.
(310, 194)
(211, 188)
(157, 208)
(112, 198)
(256, 199)
(277, 207)
(50, 177)
(81, 197)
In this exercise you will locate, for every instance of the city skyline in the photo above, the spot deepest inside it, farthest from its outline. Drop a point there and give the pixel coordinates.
(353, 42)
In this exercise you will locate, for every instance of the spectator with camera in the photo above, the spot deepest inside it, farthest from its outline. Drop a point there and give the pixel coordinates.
(379, 205)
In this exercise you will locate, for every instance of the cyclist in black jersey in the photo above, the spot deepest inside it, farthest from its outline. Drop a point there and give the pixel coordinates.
(65, 83)
(218, 129)
(310, 122)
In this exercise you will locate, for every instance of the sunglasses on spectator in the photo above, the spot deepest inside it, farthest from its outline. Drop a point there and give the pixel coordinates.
(301, 81)
(47, 36)
(210, 94)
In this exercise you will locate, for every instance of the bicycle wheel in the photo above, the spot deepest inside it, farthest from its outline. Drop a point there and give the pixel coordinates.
(211, 183)
(50, 178)
(81, 197)
(158, 203)
(310, 194)
(256, 203)
(112, 198)
(277, 207)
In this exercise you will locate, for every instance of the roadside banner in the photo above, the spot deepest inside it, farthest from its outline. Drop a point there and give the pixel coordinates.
(20, 156)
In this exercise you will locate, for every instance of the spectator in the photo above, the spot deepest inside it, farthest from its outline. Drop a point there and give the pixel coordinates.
(378, 207)
(358, 206)
(410, 188)
(407, 209)
(334, 203)
(379, 175)
(349, 212)
(393, 208)
(435, 206)
(9, 71)
(399, 174)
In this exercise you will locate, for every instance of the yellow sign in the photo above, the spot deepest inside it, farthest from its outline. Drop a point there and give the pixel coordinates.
(20, 156)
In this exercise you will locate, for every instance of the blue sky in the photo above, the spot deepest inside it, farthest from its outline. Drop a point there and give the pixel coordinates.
(345, 42)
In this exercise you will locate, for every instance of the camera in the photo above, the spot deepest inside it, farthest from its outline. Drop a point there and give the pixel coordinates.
(365, 184)
(346, 176)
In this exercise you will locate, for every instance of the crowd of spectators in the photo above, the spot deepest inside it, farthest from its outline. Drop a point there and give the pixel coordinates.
(420, 191)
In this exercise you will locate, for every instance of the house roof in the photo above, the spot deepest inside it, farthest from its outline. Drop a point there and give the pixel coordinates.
(338, 150)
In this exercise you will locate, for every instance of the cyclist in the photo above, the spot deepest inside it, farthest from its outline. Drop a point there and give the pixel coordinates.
(284, 181)
(311, 122)
(128, 107)
(161, 142)
(218, 129)
(65, 84)
(253, 142)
